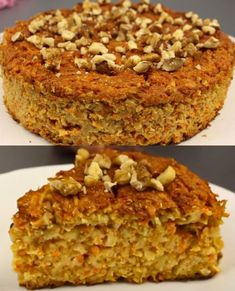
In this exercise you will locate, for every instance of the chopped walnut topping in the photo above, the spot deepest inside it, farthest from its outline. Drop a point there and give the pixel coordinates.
(81, 156)
(103, 63)
(120, 49)
(148, 49)
(120, 36)
(105, 40)
(132, 45)
(108, 185)
(161, 41)
(77, 19)
(173, 64)
(36, 40)
(179, 21)
(178, 34)
(190, 49)
(83, 41)
(143, 8)
(158, 8)
(211, 43)
(135, 183)
(81, 63)
(189, 14)
(62, 25)
(94, 174)
(17, 36)
(49, 53)
(133, 61)
(122, 177)
(121, 159)
(83, 50)
(70, 46)
(66, 186)
(208, 29)
(214, 23)
(97, 48)
(142, 67)
(137, 174)
(48, 41)
(91, 180)
(103, 161)
(67, 35)
(177, 46)
(156, 184)
(187, 27)
(152, 57)
(167, 176)
(36, 25)
(51, 56)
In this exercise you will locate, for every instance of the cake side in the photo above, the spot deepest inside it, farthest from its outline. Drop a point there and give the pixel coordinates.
(119, 123)
(160, 222)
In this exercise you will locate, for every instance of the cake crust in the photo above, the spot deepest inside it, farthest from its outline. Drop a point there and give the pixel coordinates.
(184, 193)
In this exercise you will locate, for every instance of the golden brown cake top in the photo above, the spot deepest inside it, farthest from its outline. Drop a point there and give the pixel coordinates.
(122, 183)
(110, 51)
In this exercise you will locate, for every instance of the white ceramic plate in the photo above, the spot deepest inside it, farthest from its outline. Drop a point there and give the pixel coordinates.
(221, 131)
(14, 184)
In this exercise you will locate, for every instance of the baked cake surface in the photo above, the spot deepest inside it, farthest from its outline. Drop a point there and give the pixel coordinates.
(125, 73)
(117, 215)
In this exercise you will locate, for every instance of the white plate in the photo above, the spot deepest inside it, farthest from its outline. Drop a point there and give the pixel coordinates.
(14, 184)
(221, 131)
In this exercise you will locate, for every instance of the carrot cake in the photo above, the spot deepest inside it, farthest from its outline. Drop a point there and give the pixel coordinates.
(117, 215)
(122, 74)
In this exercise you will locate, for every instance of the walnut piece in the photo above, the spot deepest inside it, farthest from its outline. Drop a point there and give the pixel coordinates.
(169, 36)
(94, 174)
(68, 35)
(122, 177)
(81, 156)
(211, 43)
(167, 176)
(36, 24)
(17, 36)
(97, 48)
(134, 182)
(172, 65)
(36, 40)
(103, 161)
(156, 184)
(66, 186)
(142, 67)
(208, 29)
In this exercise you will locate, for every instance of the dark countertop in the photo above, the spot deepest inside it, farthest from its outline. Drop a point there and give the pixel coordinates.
(215, 164)
(222, 10)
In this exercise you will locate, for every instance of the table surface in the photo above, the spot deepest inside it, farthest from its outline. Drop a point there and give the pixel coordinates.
(215, 164)
(222, 10)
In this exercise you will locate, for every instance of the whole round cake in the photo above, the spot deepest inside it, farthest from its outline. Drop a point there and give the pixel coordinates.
(123, 74)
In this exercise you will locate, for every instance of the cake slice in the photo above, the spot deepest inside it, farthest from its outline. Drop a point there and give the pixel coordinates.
(117, 215)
